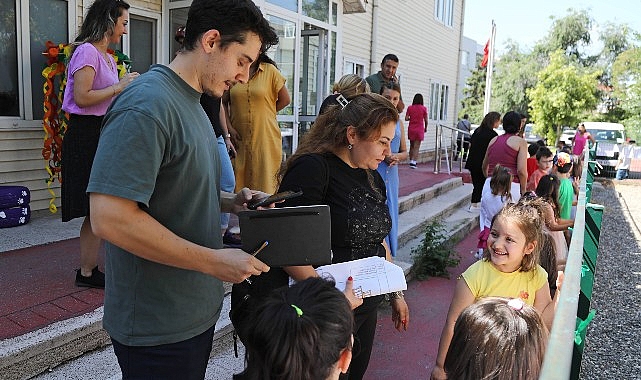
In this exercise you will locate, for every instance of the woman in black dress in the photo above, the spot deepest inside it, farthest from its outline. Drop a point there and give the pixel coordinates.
(335, 164)
(478, 145)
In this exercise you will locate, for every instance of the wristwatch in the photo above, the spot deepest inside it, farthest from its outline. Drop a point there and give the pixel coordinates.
(396, 295)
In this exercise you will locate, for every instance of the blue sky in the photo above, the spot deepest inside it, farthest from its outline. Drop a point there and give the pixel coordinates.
(528, 21)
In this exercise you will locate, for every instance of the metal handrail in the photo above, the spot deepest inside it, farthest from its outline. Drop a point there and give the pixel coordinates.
(438, 148)
(557, 363)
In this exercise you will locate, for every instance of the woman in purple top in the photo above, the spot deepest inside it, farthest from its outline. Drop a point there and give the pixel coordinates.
(92, 83)
(510, 151)
(580, 138)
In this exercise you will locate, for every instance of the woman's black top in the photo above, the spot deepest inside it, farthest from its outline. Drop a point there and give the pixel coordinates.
(478, 145)
(356, 197)
(211, 105)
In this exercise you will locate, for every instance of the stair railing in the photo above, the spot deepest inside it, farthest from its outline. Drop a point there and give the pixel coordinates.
(446, 146)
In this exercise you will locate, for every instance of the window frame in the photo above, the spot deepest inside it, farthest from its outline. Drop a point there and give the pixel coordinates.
(142, 14)
(439, 101)
(24, 119)
(356, 63)
(444, 12)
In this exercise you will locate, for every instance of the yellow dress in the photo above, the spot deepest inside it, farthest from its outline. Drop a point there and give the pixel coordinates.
(253, 116)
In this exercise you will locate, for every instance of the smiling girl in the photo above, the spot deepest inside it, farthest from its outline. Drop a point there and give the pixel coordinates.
(508, 269)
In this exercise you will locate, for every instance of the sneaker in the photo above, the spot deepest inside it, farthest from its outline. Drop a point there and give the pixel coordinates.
(473, 209)
(232, 240)
(96, 280)
(478, 255)
(412, 165)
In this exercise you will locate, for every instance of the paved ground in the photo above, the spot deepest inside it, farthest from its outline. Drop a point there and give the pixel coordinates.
(37, 275)
(413, 353)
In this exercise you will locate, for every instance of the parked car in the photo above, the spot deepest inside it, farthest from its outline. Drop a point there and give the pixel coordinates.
(567, 135)
(530, 136)
(608, 136)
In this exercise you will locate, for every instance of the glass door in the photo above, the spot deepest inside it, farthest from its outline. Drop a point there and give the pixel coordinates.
(313, 69)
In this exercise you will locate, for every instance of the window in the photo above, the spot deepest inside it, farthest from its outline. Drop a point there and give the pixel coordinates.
(465, 57)
(25, 28)
(21, 81)
(444, 11)
(177, 18)
(439, 94)
(318, 9)
(142, 49)
(291, 5)
(354, 68)
(9, 88)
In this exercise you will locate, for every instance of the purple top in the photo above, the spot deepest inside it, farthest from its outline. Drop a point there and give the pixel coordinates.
(501, 153)
(87, 55)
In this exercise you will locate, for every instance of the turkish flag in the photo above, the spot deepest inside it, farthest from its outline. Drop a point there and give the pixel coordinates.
(486, 55)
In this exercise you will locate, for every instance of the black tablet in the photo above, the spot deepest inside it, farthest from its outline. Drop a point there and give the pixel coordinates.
(295, 235)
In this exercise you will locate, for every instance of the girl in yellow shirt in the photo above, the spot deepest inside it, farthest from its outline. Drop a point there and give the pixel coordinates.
(508, 269)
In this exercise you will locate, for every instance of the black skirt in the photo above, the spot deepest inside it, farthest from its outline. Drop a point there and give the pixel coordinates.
(78, 150)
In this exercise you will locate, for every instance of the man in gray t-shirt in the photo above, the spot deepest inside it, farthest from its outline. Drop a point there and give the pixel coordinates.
(155, 198)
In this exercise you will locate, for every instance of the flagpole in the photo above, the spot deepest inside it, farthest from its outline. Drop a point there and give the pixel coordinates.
(488, 75)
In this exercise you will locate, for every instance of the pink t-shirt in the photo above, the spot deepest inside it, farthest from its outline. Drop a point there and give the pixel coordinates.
(534, 179)
(87, 55)
(417, 114)
(579, 142)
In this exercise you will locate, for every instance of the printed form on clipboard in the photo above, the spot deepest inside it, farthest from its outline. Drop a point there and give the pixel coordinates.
(372, 276)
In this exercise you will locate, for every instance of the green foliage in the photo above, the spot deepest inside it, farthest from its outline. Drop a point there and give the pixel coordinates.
(434, 254)
(515, 72)
(570, 33)
(560, 84)
(626, 75)
(474, 92)
(564, 90)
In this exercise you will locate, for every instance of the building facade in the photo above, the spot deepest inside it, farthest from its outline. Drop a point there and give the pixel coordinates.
(320, 40)
(471, 55)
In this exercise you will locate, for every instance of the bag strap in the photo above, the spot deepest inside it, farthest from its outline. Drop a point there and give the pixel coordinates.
(326, 184)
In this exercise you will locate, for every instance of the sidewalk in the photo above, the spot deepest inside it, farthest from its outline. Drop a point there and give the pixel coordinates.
(411, 354)
(37, 275)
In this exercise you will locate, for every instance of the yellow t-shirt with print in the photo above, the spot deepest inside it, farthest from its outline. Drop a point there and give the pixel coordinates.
(484, 280)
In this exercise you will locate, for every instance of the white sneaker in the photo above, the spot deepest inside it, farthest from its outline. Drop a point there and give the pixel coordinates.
(473, 208)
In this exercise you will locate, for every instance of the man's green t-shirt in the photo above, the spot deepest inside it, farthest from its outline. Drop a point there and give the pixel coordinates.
(157, 148)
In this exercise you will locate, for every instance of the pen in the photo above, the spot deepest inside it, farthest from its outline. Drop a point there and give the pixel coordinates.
(262, 246)
(257, 251)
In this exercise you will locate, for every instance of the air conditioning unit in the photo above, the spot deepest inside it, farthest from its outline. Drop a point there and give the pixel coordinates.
(354, 6)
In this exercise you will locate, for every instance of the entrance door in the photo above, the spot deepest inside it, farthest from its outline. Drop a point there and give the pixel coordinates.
(313, 70)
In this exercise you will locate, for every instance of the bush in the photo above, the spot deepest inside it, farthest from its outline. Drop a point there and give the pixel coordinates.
(434, 254)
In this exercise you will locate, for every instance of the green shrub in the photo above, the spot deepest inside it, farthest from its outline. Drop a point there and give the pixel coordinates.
(434, 254)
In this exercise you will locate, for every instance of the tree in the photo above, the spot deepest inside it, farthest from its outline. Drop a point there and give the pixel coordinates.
(515, 73)
(626, 78)
(570, 34)
(564, 90)
(474, 92)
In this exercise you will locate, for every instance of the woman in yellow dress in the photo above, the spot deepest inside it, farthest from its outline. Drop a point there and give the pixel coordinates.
(254, 129)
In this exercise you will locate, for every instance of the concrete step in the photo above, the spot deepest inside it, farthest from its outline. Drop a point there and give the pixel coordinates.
(25, 356)
(412, 222)
(419, 197)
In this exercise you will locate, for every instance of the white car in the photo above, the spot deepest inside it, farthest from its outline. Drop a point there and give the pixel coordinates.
(567, 136)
